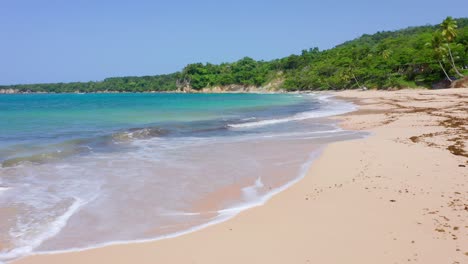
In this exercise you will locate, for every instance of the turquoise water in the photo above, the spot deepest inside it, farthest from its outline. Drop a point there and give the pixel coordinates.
(52, 115)
(80, 171)
(30, 123)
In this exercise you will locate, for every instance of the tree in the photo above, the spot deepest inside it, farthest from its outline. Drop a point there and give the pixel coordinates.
(449, 33)
(439, 52)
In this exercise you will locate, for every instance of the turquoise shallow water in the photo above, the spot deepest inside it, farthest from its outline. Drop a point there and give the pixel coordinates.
(80, 171)
(30, 123)
(51, 115)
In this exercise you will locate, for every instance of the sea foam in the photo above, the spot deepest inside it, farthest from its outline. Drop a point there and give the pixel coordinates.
(130, 174)
(24, 247)
(330, 108)
(222, 215)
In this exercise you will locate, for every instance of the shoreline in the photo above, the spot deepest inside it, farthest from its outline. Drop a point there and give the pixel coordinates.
(246, 90)
(324, 201)
(171, 92)
(225, 215)
(211, 212)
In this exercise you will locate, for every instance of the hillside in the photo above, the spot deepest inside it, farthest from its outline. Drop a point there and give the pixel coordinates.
(389, 59)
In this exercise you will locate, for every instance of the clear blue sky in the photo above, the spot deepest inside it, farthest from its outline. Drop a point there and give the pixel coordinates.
(80, 40)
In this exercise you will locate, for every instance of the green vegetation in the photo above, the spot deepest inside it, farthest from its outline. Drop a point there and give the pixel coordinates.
(246, 71)
(165, 82)
(416, 56)
(384, 60)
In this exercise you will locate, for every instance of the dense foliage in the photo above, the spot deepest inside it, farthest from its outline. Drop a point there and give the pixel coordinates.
(246, 71)
(416, 56)
(161, 83)
(400, 58)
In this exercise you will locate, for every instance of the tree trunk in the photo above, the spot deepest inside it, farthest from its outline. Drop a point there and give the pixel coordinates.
(452, 61)
(443, 69)
(354, 76)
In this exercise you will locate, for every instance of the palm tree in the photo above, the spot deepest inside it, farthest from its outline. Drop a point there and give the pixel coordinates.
(439, 52)
(386, 54)
(449, 33)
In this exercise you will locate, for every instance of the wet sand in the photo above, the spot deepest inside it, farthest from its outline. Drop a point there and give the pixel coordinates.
(398, 196)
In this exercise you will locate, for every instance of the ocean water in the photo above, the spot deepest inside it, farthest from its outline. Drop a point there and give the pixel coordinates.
(79, 171)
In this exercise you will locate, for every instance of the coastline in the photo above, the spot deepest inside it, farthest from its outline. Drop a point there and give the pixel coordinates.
(268, 160)
(370, 209)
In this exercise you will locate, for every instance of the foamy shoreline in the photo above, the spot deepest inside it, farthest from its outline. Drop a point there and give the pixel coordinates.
(369, 209)
(223, 214)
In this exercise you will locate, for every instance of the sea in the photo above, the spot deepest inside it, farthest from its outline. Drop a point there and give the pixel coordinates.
(79, 171)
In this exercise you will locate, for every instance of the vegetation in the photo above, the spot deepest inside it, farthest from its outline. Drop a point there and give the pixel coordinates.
(386, 60)
(416, 56)
(165, 82)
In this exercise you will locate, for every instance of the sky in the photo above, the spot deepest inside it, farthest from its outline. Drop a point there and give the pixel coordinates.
(45, 41)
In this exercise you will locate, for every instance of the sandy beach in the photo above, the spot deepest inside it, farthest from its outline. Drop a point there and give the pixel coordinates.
(397, 196)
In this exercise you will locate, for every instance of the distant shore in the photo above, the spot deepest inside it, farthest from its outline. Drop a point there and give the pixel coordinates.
(240, 89)
(228, 89)
(247, 90)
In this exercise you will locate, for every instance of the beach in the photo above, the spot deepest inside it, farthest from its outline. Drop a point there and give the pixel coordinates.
(397, 196)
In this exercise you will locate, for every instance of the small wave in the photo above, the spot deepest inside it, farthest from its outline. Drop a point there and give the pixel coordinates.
(177, 213)
(53, 228)
(251, 192)
(45, 157)
(3, 189)
(262, 199)
(19, 154)
(140, 133)
(330, 108)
